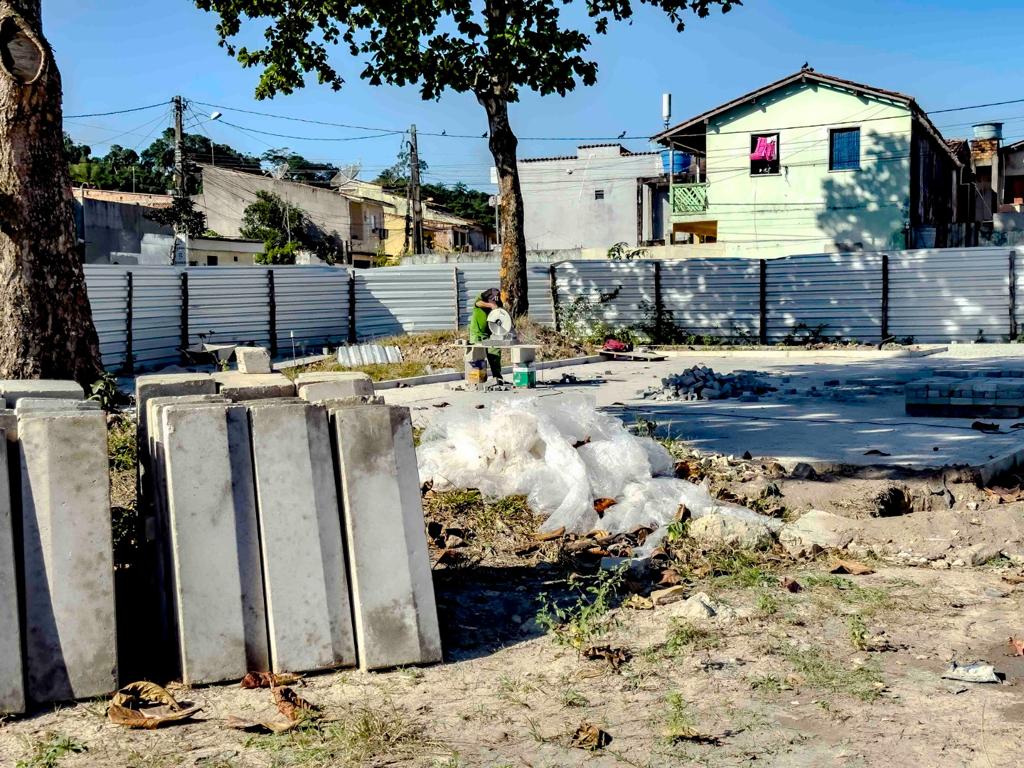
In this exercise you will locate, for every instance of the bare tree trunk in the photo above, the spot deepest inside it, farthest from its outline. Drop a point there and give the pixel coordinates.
(46, 327)
(503, 145)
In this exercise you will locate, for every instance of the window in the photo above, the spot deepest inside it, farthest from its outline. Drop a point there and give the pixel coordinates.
(599, 194)
(844, 149)
(764, 154)
(212, 261)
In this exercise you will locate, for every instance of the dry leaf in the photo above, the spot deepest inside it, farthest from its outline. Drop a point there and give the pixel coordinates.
(615, 657)
(668, 595)
(268, 679)
(1016, 646)
(550, 535)
(1013, 578)
(686, 733)
(293, 706)
(148, 717)
(589, 736)
(146, 705)
(600, 505)
(790, 585)
(274, 726)
(851, 567)
(670, 577)
(638, 603)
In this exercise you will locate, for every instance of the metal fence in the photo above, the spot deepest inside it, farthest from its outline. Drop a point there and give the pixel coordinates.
(145, 315)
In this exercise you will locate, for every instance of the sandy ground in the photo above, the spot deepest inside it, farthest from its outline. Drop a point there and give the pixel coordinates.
(847, 671)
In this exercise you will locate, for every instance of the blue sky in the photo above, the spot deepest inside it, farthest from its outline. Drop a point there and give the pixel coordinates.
(116, 54)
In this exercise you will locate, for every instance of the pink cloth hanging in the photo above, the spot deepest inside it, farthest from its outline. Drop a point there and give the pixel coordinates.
(771, 150)
(761, 149)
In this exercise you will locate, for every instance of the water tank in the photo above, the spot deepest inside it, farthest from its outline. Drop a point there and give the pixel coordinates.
(680, 161)
(988, 131)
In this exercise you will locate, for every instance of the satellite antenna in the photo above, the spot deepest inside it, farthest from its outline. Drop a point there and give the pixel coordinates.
(346, 174)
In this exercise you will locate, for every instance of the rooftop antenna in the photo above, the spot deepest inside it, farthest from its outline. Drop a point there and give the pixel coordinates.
(666, 108)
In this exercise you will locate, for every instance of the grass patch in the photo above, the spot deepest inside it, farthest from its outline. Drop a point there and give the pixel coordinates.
(680, 722)
(684, 636)
(48, 753)
(584, 620)
(571, 698)
(723, 567)
(767, 604)
(838, 590)
(769, 684)
(821, 671)
(367, 732)
(498, 524)
(122, 446)
(376, 371)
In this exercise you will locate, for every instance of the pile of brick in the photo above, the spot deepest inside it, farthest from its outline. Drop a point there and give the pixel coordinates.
(996, 395)
(702, 383)
(284, 532)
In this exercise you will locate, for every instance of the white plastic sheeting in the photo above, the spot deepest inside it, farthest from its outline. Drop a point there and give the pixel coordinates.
(562, 454)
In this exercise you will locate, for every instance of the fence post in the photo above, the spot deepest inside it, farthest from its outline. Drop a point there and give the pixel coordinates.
(272, 308)
(762, 331)
(129, 353)
(659, 304)
(184, 315)
(351, 306)
(885, 297)
(458, 298)
(1013, 296)
(553, 287)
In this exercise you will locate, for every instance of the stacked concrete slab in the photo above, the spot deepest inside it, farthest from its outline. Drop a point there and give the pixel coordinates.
(333, 385)
(392, 591)
(55, 526)
(997, 395)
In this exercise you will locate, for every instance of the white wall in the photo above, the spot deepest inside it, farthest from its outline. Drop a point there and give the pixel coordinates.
(560, 209)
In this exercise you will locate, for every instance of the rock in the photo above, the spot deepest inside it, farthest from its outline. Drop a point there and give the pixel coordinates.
(980, 554)
(718, 529)
(668, 595)
(701, 606)
(814, 532)
(803, 471)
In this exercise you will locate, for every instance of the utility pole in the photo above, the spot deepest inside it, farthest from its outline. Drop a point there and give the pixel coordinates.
(179, 147)
(414, 183)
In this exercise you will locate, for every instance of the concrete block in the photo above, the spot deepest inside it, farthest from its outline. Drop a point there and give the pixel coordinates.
(203, 525)
(70, 631)
(476, 354)
(336, 390)
(51, 405)
(361, 383)
(253, 386)
(309, 619)
(389, 570)
(12, 682)
(252, 360)
(12, 390)
(523, 354)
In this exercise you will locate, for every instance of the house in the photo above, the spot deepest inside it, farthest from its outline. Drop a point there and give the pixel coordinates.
(603, 195)
(111, 222)
(813, 163)
(443, 232)
(351, 222)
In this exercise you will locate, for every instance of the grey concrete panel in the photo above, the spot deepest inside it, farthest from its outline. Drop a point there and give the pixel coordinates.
(71, 637)
(12, 682)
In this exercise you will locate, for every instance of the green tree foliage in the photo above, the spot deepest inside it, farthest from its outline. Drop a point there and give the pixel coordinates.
(182, 215)
(455, 198)
(271, 219)
(493, 49)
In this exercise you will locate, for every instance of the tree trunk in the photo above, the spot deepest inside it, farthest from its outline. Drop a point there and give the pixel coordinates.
(503, 144)
(46, 327)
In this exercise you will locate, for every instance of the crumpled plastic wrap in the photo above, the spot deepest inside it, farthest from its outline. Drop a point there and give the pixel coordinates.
(562, 454)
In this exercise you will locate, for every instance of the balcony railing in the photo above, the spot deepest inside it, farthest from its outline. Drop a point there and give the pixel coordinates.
(689, 198)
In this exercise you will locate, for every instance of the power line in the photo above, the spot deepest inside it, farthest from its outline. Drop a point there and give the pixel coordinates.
(118, 111)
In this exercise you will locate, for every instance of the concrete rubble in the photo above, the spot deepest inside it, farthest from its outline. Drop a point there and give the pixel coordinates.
(252, 360)
(702, 383)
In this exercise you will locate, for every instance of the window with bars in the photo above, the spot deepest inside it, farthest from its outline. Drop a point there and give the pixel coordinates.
(844, 149)
(599, 194)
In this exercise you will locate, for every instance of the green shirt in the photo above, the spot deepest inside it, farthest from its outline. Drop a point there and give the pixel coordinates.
(478, 330)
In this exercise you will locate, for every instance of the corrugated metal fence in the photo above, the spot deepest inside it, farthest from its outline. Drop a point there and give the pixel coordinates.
(149, 313)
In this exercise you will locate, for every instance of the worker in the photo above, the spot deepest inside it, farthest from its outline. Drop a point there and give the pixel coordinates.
(478, 330)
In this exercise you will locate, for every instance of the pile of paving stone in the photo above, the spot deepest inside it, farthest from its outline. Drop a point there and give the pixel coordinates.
(702, 383)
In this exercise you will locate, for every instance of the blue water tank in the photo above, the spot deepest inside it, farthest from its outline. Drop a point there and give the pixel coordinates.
(680, 161)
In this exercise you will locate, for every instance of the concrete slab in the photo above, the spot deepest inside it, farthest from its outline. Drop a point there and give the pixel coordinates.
(252, 360)
(207, 576)
(71, 635)
(308, 614)
(253, 386)
(51, 405)
(361, 383)
(335, 390)
(12, 681)
(12, 390)
(389, 570)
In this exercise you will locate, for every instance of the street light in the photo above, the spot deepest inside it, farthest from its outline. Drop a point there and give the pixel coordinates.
(214, 116)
